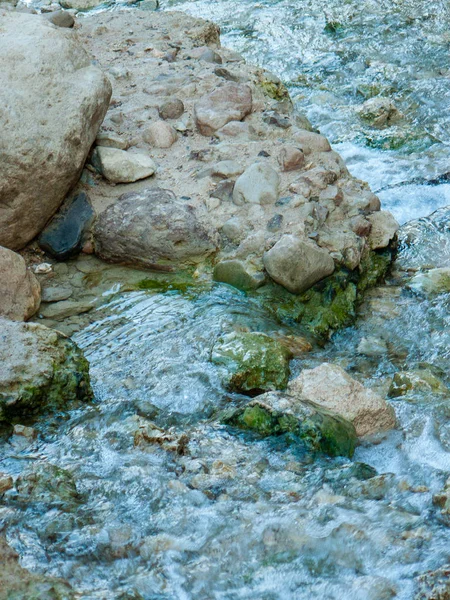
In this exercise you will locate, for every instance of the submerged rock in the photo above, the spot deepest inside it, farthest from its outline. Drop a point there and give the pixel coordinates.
(48, 484)
(419, 380)
(432, 282)
(44, 147)
(303, 422)
(331, 387)
(255, 362)
(20, 292)
(41, 370)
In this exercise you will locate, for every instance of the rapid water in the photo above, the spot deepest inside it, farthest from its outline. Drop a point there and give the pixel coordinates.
(239, 518)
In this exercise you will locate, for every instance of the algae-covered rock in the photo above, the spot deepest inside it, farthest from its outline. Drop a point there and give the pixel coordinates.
(432, 282)
(41, 369)
(48, 484)
(302, 422)
(255, 362)
(419, 380)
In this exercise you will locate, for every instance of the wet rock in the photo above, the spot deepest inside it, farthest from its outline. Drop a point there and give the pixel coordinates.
(259, 184)
(255, 362)
(41, 370)
(238, 274)
(304, 423)
(372, 346)
(68, 231)
(231, 102)
(60, 18)
(331, 387)
(26, 432)
(297, 265)
(172, 108)
(380, 112)
(432, 282)
(420, 380)
(65, 308)
(160, 135)
(80, 4)
(153, 229)
(291, 158)
(48, 484)
(150, 436)
(383, 230)
(20, 292)
(56, 293)
(120, 166)
(434, 585)
(6, 483)
(44, 150)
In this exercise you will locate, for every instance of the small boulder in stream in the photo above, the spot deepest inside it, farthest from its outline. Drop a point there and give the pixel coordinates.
(302, 422)
(41, 370)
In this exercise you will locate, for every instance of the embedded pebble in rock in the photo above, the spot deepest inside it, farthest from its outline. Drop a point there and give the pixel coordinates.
(226, 169)
(20, 292)
(296, 264)
(380, 112)
(331, 387)
(60, 18)
(291, 158)
(231, 102)
(173, 108)
(259, 184)
(160, 135)
(120, 166)
(311, 142)
(68, 231)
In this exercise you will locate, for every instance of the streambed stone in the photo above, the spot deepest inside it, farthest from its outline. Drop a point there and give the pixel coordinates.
(121, 166)
(20, 292)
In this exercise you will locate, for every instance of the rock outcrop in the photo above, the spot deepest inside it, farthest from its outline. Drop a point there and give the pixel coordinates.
(20, 292)
(331, 387)
(52, 101)
(41, 370)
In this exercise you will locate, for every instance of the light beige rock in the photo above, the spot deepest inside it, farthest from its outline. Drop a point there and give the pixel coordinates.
(111, 140)
(259, 184)
(296, 264)
(120, 166)
(52, 101)
(331, 387)
(160, 135)
(231, 102)
(384, 228)
(20, 292)
(80, 4)
(311, 142)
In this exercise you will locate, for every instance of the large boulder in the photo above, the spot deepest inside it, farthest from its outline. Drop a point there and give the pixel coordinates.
(296, 264)
(231, 102)
(305, 423)
(20, 292)
(154, 229)
(331, 387)
(41, 370)
(52, 101)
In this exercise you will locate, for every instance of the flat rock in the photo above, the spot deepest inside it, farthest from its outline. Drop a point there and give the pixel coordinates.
(259, 184)
(56, 293)
(20, 292)
(120, 166)
(65, 308)
(69, 229)
(296, 264)
(44, 149)
(331, 387)
(41, 370)
(153, 229)
(231, 102)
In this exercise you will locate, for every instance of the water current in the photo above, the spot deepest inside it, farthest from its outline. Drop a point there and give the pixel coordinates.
(240, 518)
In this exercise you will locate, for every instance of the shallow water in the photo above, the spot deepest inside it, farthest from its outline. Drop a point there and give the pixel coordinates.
(238, 517)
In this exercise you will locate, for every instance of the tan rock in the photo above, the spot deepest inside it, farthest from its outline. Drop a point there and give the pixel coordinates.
(331, 387)
(384, 228)
(20, 292)
(160, 135)
(120, 166)
(291, 158)
(231, 102)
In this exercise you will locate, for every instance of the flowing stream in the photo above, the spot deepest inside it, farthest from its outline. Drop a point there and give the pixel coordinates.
(243, 518)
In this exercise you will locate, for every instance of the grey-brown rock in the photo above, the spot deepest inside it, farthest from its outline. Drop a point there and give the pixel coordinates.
(331, 387)
(291, 158)
(172, 108)
(20, 292)
(383, 230)
(44, 143)
(311, 142)
(160, 134)
(296, 264)
(259, 184)
(60, 18)
(154, 229)
(231, 102)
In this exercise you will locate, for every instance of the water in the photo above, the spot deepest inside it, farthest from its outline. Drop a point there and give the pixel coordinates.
(239, 518)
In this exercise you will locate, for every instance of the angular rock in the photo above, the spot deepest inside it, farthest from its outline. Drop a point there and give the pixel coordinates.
(419, 380)
(305, 423)
(331, 387)
(44, 144)
(172, 108)
(432, 282)
(56, 293)
(380, 112)
(231, 102)
(111, 140)
(160, 135)
(20, 292)
(41, 370)
(255, 362)
(384, 229)
(69, 229)
(153, 229)
(291, 158)
(297, 265)
(6, 483)
(259, 184)
(120, 166)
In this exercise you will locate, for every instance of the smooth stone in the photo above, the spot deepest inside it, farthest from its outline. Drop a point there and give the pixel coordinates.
(160, 135)
(20, 292)
(231, 102)
(291, 158)
(68, 231)
(259, 184)
(172, 108)
(311, 142)
(80, 4)
(55, 294)
(60, 18)
(331, 387)
(237, 274)
(120, 166)
(296, 264)
(65, 308)
(226, 169)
